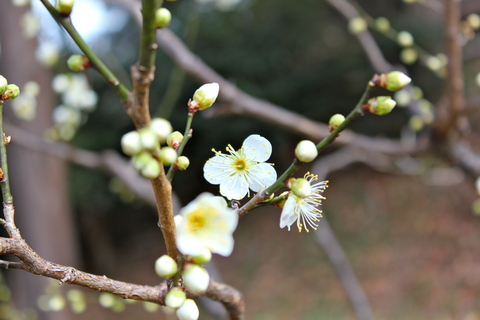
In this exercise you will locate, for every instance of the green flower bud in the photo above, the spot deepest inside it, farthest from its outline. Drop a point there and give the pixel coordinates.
(405, 39)
(203, 258)
(382, 24)
(78, 62)
(167, 155)
(195, 278)
(151, 169)
(166, 267)
(174, 139)
(161, 127)
(141, 159)
(175, 298)
(357, 25)
(205, 96)
(131, 143)
(163, 17)
(335, 121)
(394, 81)
(148, 139)
(182, 163)
(409, 55)
(473, 20)
(301, 188)
(3, 84)
(64, 7)
(11, 92)
(188, 311)
(381, 105)
(306, 151)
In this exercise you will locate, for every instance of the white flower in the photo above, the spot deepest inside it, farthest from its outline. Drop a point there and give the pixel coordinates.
(243, 169)
(304, 210)
(207, 224)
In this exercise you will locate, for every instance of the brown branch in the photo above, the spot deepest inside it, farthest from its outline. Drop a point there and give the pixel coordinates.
(229, 297)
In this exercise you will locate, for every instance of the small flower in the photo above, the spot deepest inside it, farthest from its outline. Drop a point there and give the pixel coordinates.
(207, 224)
(243, 169)
(304, 210)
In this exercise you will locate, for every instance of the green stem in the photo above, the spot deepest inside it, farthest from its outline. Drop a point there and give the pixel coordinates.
(4, 182)
(186, 136)
(148, 47)
(96, 62)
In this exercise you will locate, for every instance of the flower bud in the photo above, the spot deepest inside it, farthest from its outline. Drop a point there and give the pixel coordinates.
(306, 151)
(188, 311)
(131, 143)
(64, 7)
(405, 39)
(409, 55)
(301, 188)
(473, 20)
(335, 121)
(11, 92)
(3, 84)
(167, 155)
(151, 169)
(161, 127)
(174, 139)
(382, 24)
(381, 105)
(148, 139)
(203, 258)
(195, 278)
(141, 159)
(175, 298)
(205, 96)
(394, 81)
(166, 267)
(78, 62)
(163, 17)
(182, 163)
(357, 25)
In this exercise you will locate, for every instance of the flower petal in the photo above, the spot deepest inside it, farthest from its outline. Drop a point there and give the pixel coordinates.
(257, 148)
(221, 244)
(261, 175)
(234, 187)
(288, 216)
(215, 169)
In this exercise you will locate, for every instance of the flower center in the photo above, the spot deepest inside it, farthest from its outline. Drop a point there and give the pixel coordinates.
(240, 165)
(197, 220)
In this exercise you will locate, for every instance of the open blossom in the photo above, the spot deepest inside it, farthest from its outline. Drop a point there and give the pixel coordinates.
(304, 210)
(243, 169)
(207, 224)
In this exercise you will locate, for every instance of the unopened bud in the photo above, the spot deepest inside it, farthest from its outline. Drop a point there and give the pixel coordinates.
(148, 139)
(182, 163)
(381, 105)
(301, 188)
(195, 278)
(203, 258)
(131, 143)
(306, 151)
(167, 155)
(394, 81)
(204, 97)
(11, 92)
(335, 121)
(78, 62)
(175, 298)
(163, 17)
(357, 25)
(473, 20)
(141, 159)
(161, 127)
(166, 267)
(3, 84)
(405, 39)
(188, 311)
(174, 139)
(409, 55)
(64, 7)
(382, 24)
(151, 169)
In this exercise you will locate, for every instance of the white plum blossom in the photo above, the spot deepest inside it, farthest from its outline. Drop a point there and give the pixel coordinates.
(304, 210)
(207, 224)
(242, 170)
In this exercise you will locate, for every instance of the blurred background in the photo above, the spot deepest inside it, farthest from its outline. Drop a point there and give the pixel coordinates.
(408, 225)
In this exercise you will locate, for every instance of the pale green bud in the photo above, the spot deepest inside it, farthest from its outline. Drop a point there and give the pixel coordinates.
(433, 63)
(335, 121)
(161, 127)
(182, 163)
(381, 105)
(151, 169)
(188, 311)
(409, 55)
(167, 155)
(163, 17)
(78, 62)
(405, 39)
(205, 96)
(301, 188)
(473, 20)
(357, 25)
(382, 24)
(195, 278)
(11, 92)
(141, 159)
(64, 7)
(166, 267)
(175, 298)
(174, 139)
(416, 123)
(3, 84)
(395, 80)
(403, 98)
(57, 303)
(148, 139)
(131, 144)
(306, 151)
(203, 258)
(106, 300)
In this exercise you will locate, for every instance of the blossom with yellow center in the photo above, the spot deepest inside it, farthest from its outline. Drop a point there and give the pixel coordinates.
(207, 224)
(243, 169)
(303, 207)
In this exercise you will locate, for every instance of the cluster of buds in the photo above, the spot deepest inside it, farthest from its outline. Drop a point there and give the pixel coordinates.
(195, 279)
(144, 146)
(8, 91)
